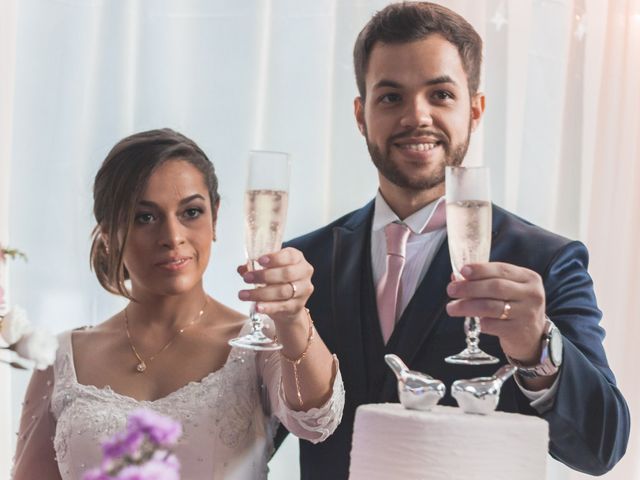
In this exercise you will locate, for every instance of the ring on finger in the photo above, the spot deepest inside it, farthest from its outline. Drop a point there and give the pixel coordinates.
(294, 290)
(506, 309)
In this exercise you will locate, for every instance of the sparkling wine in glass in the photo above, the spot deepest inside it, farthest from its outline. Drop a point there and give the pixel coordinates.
(469, 234)
(265, 212)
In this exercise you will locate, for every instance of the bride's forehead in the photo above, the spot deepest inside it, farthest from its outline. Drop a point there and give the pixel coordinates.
(175, 177)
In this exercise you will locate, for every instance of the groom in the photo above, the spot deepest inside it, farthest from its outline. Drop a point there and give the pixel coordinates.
(383, 275)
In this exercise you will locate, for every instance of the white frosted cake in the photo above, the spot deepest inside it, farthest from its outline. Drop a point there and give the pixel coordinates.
(391, 442)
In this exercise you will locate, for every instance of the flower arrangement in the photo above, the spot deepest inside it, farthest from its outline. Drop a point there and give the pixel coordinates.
(29, 344)
(12, 253)
(142, 451)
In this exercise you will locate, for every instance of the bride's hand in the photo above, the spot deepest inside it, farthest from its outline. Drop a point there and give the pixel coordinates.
(285, 285)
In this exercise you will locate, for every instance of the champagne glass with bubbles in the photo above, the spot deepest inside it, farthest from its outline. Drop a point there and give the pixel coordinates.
(469, 234)
(265, 211)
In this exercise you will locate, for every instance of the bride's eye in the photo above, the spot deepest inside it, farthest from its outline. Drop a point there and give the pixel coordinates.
(144, 218)
(193, 212)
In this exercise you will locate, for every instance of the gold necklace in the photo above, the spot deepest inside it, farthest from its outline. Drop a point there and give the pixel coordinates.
(142, 365)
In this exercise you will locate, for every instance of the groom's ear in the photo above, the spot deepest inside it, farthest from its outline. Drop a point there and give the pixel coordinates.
(477, 109)
(358, 111)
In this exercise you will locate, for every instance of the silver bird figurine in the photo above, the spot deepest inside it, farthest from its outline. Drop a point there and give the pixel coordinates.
(480, 395)
(417, 391)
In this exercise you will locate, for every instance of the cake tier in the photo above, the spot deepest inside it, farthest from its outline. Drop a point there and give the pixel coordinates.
(391, 442)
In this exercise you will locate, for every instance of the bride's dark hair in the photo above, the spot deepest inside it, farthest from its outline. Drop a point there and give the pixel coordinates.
(118, 186)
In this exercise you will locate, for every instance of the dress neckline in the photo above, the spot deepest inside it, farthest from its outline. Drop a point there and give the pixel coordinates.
(107, 388)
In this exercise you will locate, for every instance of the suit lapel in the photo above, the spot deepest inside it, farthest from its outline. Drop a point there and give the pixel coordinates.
(349, 242)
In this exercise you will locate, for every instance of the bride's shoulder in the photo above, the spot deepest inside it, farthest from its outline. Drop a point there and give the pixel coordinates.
(91, 335)
(221, 323)
(229, 313)
(221, 314)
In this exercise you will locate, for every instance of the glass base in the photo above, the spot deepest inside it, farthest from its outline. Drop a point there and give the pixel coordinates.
(258, 342)
(472, 357)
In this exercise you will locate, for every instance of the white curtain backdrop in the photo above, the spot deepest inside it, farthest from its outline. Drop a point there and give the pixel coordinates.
(560, 133)
(7, 69)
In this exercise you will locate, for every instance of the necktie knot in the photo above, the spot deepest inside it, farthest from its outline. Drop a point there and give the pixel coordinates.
(397, 235)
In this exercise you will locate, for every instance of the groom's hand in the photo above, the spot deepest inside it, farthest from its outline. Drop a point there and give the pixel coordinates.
(510, 302)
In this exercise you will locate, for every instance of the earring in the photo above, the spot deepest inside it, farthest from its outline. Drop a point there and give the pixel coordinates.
(214, 236)
(106, 249)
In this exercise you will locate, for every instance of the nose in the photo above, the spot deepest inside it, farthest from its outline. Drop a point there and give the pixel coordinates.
(416, 114)
(172, 233)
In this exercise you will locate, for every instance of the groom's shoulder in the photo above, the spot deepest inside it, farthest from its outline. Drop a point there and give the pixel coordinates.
(519, 241)
(515, 228)
(323, 235)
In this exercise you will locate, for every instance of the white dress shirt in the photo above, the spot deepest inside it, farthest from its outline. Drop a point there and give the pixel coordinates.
(421, 249)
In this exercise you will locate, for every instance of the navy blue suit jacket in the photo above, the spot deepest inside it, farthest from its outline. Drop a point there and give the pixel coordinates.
(588, 419)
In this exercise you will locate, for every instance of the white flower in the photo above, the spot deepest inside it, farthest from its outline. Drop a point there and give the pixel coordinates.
(15, 325)
(39, 347)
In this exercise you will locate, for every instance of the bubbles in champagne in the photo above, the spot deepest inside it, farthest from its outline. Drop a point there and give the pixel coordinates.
(265, 215)
(469, 232)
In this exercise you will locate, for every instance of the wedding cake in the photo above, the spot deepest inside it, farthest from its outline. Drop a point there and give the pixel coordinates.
(391, 442)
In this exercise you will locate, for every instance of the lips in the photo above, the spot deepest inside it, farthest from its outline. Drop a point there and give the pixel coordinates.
(418, 147)
(174, 263)
(418, 143)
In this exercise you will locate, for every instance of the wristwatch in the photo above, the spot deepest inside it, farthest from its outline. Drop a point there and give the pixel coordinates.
(550, 359)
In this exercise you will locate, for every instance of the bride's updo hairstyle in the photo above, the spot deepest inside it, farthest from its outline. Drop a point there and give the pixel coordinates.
(118, 187)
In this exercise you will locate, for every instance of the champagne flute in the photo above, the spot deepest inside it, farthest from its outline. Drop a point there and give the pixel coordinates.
(265, 211)
(469, 235)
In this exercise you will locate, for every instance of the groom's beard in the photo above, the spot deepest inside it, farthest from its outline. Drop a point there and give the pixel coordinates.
(453, 155)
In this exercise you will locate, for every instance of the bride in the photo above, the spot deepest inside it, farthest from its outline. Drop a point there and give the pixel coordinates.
(156, 204)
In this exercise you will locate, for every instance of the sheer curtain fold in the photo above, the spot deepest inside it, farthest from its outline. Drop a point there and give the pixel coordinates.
(7, 81)
(560, 133)
(614, 213)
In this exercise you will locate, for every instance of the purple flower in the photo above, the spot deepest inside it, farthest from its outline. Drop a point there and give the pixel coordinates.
(96, 474)
(152, 470)
(168, 458)
(122, 444)
(163, 431)
(141, 451)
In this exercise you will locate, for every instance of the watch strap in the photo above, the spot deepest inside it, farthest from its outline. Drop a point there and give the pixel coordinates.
(545, 367)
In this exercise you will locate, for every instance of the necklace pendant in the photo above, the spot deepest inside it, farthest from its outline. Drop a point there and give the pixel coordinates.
(141, 367)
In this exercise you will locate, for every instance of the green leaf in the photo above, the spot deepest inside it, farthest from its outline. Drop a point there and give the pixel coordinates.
(12, 253)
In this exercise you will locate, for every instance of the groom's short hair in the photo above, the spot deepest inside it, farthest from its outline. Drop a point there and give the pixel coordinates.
(411, 21)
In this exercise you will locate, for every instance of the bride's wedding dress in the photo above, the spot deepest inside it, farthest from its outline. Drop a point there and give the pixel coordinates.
(228, 418)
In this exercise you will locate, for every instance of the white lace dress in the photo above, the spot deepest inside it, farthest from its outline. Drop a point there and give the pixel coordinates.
(228, 418)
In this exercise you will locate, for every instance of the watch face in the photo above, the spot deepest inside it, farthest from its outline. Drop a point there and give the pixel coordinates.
(555, 346)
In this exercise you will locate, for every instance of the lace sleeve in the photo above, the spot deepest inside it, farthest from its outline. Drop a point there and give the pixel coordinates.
(35, 454)
(314, 425)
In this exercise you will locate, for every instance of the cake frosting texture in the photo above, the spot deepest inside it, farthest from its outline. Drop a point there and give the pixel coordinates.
(391, 442)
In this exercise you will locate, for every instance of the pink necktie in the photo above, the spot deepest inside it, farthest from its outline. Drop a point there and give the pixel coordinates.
(388, 291)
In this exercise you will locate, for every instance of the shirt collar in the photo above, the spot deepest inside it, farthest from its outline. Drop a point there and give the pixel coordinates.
(417, 221)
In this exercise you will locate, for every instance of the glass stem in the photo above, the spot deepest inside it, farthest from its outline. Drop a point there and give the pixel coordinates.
(256, 321)
(472, 331)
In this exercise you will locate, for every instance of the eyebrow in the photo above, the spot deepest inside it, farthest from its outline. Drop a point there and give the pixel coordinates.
(149, 203)
(434, 81)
